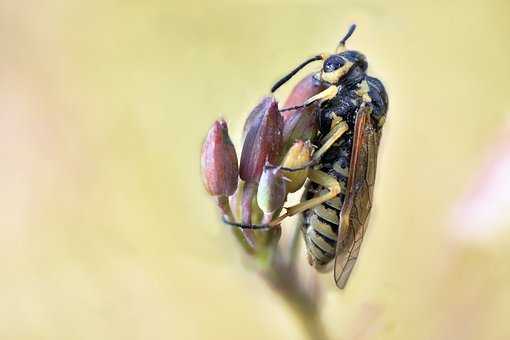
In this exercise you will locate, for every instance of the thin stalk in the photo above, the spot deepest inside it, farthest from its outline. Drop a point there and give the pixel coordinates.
(294, 248)
(285, 281)
(311, 321)
(224, 206)
(250, 191)
(267, 218)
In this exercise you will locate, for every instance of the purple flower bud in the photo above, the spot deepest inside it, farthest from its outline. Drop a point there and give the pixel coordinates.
(306, 88)
(257, 113)
(272, 190)
(299, 155)
(302, 125)
(219, 161)
(263, 140)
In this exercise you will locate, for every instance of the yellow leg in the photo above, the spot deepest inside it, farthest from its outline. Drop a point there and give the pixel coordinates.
(318, 177)
(327, 94)
(339, 128)
(336, 132)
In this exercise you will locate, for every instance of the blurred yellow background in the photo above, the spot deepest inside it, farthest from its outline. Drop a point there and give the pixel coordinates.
(106, 231)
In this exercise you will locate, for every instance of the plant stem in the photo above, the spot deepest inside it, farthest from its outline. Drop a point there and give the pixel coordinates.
(224, 206)
(305, 306)
(293, 248)
(281, 274)
(250, 190)
(311, 321)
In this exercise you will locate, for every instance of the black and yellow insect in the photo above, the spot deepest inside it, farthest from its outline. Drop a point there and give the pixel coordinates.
(338, 196)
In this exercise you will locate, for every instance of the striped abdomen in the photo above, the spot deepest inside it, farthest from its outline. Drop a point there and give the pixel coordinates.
(320, 227)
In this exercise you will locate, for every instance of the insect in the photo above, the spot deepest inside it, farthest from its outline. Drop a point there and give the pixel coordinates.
(337, 199)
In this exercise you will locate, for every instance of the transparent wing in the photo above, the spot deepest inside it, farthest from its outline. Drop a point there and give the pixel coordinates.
(358, 198)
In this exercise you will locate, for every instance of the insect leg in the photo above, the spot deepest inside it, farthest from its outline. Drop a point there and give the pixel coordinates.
(339, 128)
(318, 177)
(247, 226)
(327, 94)
(336, 132)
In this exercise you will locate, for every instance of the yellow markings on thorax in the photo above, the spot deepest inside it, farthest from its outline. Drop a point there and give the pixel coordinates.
(362, 91)
(381, 121)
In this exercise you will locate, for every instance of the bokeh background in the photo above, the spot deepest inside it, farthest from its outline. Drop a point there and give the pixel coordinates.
(107, 233)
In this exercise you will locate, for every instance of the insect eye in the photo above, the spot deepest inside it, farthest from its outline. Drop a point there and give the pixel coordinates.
(333, 63)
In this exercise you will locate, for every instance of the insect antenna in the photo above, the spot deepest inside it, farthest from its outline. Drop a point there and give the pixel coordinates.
(294, 71)
(348, 34)
(341, 45)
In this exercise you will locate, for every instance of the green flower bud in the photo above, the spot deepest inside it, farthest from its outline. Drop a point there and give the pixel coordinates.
(299, 155)
(272, 190)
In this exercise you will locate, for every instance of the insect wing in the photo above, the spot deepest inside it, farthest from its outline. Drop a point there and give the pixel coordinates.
(358, 198)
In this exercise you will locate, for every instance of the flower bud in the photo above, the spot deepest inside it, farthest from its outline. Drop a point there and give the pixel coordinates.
(263, 141)
(257, 113)
(306, 88)
(272, 190)
(302, 125)
(299, 155)
(219, 161)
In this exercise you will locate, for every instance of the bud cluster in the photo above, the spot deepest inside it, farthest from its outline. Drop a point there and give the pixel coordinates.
(255, 190)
